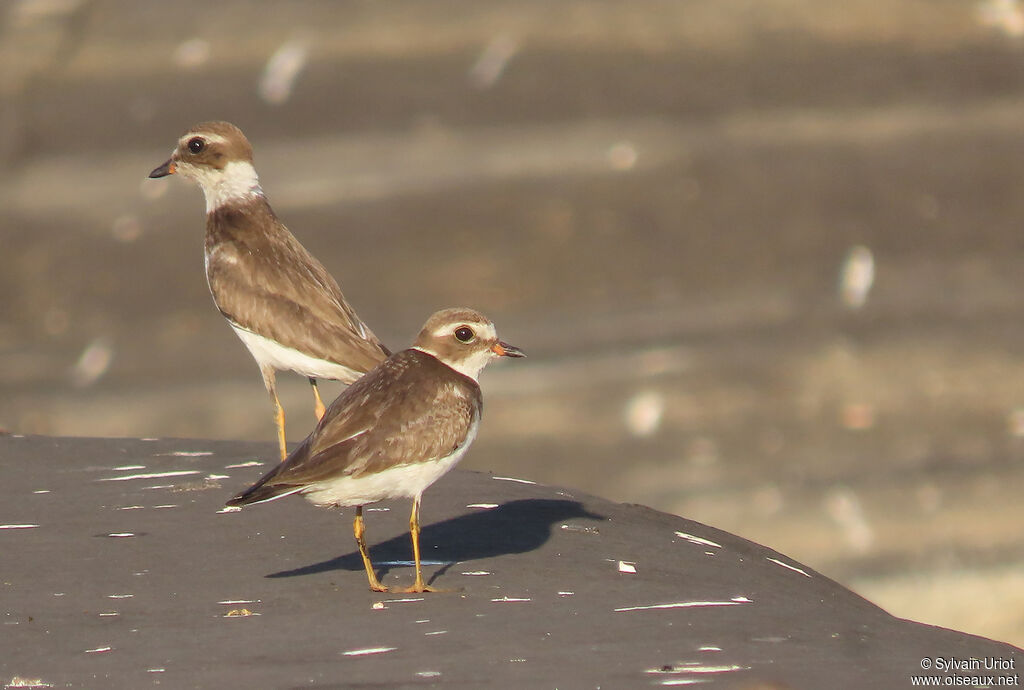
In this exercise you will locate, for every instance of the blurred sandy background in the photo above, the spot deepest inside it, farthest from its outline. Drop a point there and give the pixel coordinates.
(765, 256)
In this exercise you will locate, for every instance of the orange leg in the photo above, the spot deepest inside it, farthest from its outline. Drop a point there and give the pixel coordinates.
(359, 529)
(414, 531)
(318, 405)
(268, 381)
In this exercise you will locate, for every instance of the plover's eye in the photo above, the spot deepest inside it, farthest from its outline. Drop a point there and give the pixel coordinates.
(464, 334)
(196, 144)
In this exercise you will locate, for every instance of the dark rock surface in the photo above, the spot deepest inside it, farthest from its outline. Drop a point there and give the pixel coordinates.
(121, 571)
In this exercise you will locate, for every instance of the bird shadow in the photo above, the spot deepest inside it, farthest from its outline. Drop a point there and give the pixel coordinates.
(514, 527)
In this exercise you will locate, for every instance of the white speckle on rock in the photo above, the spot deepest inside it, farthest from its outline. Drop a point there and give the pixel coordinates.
(698, 540)
(368, 651)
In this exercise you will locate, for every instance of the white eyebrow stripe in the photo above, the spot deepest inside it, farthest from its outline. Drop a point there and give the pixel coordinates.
(209, 137)
(482, 330)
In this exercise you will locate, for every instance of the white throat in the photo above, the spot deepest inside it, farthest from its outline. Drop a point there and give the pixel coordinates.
(468, 366)
(237, 181)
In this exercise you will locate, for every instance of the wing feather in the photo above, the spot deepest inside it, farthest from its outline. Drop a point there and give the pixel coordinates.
(410, 409)
(265, 278)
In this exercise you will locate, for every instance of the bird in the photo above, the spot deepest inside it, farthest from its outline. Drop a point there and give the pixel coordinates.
(395, 431)
(280, 300)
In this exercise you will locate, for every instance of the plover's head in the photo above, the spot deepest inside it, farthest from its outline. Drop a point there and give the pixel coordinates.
(463, 339)
(218, 157)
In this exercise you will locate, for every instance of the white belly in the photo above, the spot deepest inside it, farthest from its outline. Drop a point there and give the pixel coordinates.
(267, 352)
(402, 481)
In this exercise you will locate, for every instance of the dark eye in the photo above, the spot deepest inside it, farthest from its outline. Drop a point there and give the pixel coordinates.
(464, 334)
(196, 144)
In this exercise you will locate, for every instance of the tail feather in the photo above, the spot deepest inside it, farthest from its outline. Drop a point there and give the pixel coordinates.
(263, 490)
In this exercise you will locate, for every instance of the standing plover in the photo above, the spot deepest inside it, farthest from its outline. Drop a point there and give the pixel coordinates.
(278, 298)
(395, 431)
